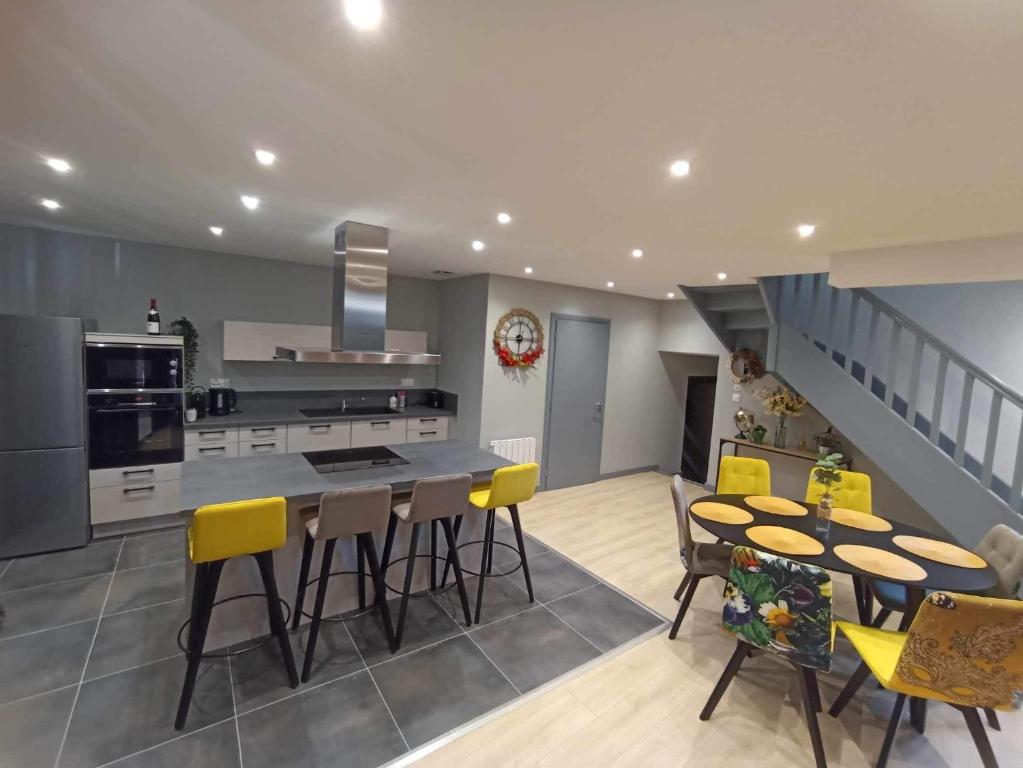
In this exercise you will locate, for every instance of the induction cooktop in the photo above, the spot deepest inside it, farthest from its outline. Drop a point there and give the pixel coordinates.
(342, 460)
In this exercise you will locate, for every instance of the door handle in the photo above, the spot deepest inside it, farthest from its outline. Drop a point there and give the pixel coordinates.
(599, 406)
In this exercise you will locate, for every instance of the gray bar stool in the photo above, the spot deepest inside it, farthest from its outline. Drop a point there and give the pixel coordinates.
(433, 498)
(351, 512)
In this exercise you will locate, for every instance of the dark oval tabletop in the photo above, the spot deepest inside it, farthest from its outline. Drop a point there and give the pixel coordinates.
(939, 576)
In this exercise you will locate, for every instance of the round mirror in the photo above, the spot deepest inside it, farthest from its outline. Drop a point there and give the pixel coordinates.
(745, 366)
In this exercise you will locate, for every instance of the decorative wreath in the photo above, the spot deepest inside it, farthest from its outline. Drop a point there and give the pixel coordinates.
(745, 366)
(518, 339)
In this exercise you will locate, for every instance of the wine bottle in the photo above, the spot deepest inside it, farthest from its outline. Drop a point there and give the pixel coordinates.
(153, 319)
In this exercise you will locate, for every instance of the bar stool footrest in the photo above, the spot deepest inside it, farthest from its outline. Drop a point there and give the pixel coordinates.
(347, 615)
(230, 654)
(512, 547)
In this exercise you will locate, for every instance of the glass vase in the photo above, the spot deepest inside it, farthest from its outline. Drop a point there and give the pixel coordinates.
(780, 433)
(824, 514)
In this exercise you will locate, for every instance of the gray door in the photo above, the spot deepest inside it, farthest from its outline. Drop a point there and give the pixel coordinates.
(577, 381)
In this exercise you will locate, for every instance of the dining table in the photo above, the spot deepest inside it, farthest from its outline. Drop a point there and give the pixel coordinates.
(859, 546)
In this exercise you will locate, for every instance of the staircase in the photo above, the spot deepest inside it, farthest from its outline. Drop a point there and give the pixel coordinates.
(944, 430)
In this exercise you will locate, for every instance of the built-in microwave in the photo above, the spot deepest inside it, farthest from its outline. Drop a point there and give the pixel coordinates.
(129, 363)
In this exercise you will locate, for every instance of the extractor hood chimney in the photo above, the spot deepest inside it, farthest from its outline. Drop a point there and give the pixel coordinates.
(359, 316)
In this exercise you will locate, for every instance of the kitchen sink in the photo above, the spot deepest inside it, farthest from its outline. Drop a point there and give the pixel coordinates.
(356, 410)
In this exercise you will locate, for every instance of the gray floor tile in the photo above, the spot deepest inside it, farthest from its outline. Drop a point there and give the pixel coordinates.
(534, 647)
(605, 617)
(425, 623)
(501, 598)
(138, 637)
(38, 570)
(31, 730)
(130, 711)
(553, 577)
(146, 586)
(213, 747)
(439, 688)
(54, 605)
(343, 722)
(503, 556)
(153, 548)
(43, 661)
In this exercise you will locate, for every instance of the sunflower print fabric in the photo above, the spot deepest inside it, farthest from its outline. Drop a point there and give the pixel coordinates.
(780, 605)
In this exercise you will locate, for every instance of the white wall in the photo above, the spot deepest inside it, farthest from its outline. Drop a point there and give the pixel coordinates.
(678, 368)
(463, 337)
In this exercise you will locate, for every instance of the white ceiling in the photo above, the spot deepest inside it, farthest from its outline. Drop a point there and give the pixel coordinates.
(883, 123)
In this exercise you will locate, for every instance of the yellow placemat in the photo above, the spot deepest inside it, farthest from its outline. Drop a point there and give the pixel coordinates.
(721, 513)
(776, 506)
(879, 561)
(939, 551)
(861, 520)
(784, 540)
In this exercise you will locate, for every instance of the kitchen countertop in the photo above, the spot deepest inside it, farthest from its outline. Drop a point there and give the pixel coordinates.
(291, 476)
(263, 417)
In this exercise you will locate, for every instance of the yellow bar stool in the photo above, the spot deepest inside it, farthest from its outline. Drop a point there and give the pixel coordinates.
(218, 533)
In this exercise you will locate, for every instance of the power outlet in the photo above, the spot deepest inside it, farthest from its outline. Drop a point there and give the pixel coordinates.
(735, 397)
(408, 382)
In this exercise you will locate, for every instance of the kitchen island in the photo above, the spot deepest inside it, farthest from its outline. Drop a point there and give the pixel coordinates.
(292, 476)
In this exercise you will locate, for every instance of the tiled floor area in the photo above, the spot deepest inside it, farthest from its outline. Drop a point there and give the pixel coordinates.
(90, 672)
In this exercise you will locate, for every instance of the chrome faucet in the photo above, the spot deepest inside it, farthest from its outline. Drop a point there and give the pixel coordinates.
(347, 403)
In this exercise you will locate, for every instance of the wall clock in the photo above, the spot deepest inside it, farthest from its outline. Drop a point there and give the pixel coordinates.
(518, 339)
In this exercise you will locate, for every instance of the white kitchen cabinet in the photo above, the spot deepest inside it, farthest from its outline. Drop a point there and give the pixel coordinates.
(262, 447)
(114, 503)
(211, 435)
(378, 432)
(204, 452)
(319, 436)
(122, 476)
(426, 435)
(428, 422)
(270, 432)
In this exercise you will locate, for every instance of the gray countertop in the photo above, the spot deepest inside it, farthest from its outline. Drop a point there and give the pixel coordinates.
(261, 417)
(290, 475)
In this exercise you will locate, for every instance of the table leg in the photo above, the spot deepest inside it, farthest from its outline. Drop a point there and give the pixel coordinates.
(917, 707)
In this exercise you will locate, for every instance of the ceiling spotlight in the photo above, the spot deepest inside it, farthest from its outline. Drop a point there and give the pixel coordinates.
(610, 284)
(51, 204)
(59, 165)
(671, 295)
(250, 202)
(679, 168)
(637, 253)
(722, 275)
(218, 231)
(265, 157)
(503, 218)
(529, 270)
(805, 230)
(364, 14)
(478, 245)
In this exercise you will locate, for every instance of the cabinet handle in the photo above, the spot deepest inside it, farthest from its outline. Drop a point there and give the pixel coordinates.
(424, 421)
(139, 489)
(319, 427)
(378, 423)
(213, 448)
(214, 432)
(432, 432)
(263, 445)
(130, 472)
(264, 431)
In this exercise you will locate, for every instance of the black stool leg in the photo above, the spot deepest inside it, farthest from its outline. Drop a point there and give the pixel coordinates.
(303, 578)
(449, 534)
(321, 595)
(855, 681)
(385, 559)
(488, 535)
(447, 560)
(992, 719)
(265, 561)
(811, 705)
(881, 618)
(682, 586)
(738, 656)
(360, 557)
(980, 739)
(204, 592)
(694, 582)
(433, 554)
(516, 523)
(889, 734)
(490, 546)
(380, 589)
(410, 565)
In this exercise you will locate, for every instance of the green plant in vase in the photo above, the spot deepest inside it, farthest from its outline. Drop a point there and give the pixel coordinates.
(183, 327)
(827, 473)
(781, 402)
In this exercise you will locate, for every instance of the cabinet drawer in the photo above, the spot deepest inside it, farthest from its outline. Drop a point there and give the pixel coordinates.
(203, 452)
(262, 434)
(378, 432)
(211, 435)
(113, 503)
(427, 435)
(323, 436)
(261, 447)
(121, 476)
(428, 422)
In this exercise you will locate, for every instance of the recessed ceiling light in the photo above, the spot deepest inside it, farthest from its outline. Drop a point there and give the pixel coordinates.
(265, 157)
(529, 270)
(478, 245)
(364, 14)
(610, 284)
(679, 168)
(671, 295)
(637, 253)
(805, 230)
(503, 218)
(218, 231)
(58, 164)
(722, 275)
(51, 204)
(250, 202)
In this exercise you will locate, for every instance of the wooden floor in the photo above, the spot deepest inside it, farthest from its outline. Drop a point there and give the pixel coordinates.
(641, 707)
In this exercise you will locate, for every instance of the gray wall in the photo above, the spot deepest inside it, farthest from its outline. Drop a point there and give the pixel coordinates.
(463, 342)
(110, 281)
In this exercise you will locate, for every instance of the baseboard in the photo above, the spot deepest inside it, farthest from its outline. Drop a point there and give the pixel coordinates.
(624, 472)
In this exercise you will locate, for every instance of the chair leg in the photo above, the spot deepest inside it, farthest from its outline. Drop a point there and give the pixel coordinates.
(881, 618)
(449, 535)
(682, 585)
(321, 594)
(980, 739)
(379, 589)
(992, 719)
(409, 569)
(265, 560)
(893, 726)
(861, 600)
(433, 554)
(726, 677)
(447, 559)
(488, 534)
(811, 705)
(204, 593)
(360, 558)
(303, 578)
(694, 582)
(517, 524)
(490, 544)
(862, 673)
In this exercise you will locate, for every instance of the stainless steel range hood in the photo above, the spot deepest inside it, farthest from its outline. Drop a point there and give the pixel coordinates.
(359, 317)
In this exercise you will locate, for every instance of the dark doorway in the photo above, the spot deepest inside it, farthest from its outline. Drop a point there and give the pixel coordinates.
(698, 426)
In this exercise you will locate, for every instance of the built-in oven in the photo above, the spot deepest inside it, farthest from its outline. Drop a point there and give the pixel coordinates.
(126, 430)
(119, 363)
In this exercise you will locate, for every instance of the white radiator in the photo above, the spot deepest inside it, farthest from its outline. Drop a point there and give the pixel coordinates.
(521, 450)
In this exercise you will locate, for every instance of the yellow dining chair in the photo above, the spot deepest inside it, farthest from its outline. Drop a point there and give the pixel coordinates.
(961, 649)
(740, 474)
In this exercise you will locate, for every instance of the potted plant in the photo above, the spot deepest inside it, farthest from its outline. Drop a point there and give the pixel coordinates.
(781, 402)
(190, 342)
(758, 433)
(827, 473)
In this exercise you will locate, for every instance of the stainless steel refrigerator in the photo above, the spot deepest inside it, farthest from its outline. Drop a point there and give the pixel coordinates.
(44, 488)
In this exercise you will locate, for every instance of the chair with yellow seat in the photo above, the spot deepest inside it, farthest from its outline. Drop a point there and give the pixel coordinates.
(218, 533)
(743, 475)
(964, 650)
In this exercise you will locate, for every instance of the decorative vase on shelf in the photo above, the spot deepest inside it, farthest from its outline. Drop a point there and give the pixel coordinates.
(824, 513)
(780, 433)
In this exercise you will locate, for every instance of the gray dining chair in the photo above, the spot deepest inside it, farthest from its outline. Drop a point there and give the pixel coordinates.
(700, 559)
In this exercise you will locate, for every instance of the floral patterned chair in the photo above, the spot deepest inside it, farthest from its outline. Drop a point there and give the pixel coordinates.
(961, 649)
(784, 607)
